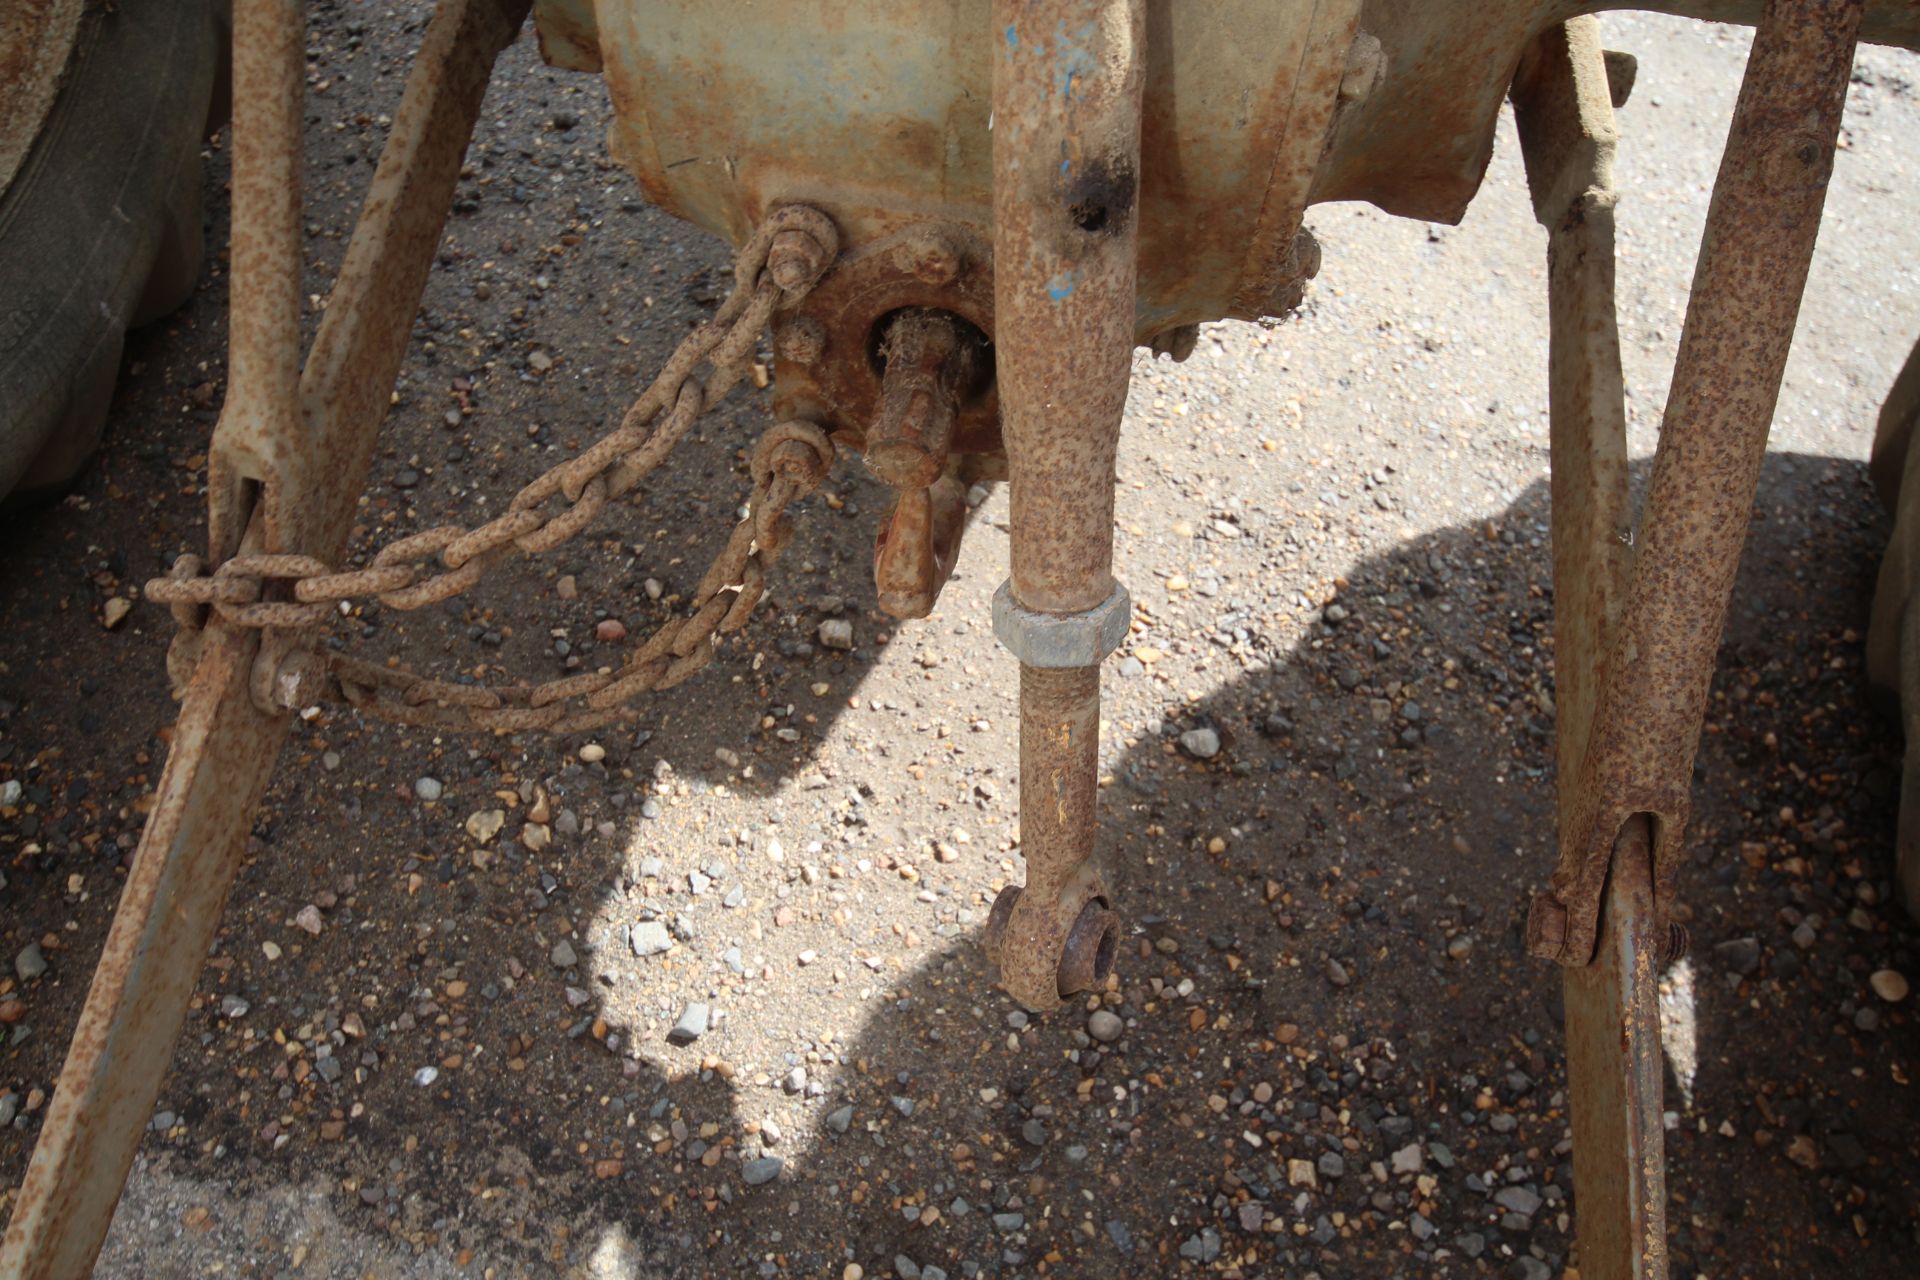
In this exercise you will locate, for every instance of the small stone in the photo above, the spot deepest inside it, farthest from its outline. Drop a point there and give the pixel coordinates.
(536, 836)
(270, 949)
(1518, 1200)
(592, 753)
(425, 1076)
(115, 611)
(1890, 985)
(1332, 1165)
(428, 789)
(308, 918)
(650, 938)
(1202, 743)
(1105, 1026)
(836, 633)
(562, 955)
(1408, 1159)
(1460, 946)
(795, 1080)
(1300, 1174)
(232, 1007)
(840, 1121)
(692, 1024)
(763, 1170)
(1034, 1133)
(1742, 955)
(1009, 1221)
(1252, 1216)
(1337, 973)
(484, 824)
(610, 631)
(30, 963)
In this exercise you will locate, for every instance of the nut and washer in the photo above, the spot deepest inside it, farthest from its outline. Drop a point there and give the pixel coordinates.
(1061, 639)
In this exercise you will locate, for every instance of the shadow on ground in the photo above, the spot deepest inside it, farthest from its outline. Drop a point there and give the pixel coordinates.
(1333, 1057)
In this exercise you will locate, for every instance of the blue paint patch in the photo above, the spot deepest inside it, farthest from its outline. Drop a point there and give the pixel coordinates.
(1013, 38)
(1066, 167)
(1062, 286)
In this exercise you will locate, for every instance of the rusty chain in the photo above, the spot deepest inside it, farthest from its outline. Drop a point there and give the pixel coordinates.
(783, 260)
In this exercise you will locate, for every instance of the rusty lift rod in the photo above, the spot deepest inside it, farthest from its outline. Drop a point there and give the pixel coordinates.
(1754, 258)
(1067, 85)
(1563, 99)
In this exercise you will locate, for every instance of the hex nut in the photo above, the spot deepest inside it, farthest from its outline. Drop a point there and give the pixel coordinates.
(1059, 640)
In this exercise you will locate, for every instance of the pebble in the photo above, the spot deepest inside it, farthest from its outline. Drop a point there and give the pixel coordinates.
(115, 611)
(592, 753)
(308, 918)
(425, 1076)
(1890, 985)
(1337, 973)
(836, 633)
(9, 1107)
(840, 1121)
(30, 963)
(1105, 1026)
(650, 938)
(692, 1024)
(1408, 1159)
(428, 789)
(1742, 955)
(1460, 946)
(765, 1169)
(1518, 1200)
(562, 955)
(484, 824)
(1202, 743)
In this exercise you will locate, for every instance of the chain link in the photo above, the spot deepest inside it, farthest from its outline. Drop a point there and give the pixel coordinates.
(785, 258)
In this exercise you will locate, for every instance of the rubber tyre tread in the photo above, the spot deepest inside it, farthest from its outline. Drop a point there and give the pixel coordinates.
(100, 228)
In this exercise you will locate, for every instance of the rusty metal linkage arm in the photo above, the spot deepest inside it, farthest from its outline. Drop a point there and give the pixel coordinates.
(1563, 99)
(1753, 264)
(310, 468)
(1068, 77)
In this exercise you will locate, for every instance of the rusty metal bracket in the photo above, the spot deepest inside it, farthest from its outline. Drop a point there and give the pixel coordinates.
(224, 745)
(1061, 639)
(1754, 257)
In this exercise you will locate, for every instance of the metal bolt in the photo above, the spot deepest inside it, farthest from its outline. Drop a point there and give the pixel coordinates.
(931, 256)
(1679, 942)
(298, 682)
(801, 339)
(795, 259)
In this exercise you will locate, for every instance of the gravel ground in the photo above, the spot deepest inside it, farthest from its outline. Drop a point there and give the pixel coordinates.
(437, 1034)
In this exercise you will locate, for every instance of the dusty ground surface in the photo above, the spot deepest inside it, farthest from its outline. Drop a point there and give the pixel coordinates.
(1335, 531)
